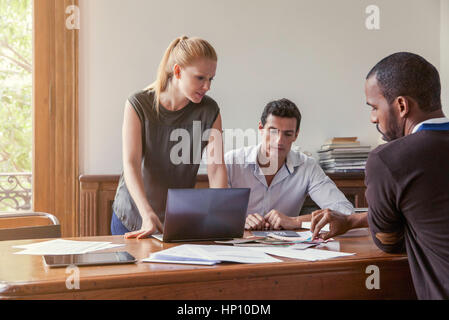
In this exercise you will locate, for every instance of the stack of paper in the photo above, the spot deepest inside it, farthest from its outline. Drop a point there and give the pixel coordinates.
(209, 255)
(343, 154)
(304, 237)
(284, 233)
(307, 254)
(213, 254)
(61, 246)
(276, 239)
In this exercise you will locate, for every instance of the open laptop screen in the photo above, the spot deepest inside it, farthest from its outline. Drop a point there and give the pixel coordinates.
(205, 214)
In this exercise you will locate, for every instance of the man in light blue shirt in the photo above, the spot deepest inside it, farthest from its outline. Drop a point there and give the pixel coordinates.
(281, 178)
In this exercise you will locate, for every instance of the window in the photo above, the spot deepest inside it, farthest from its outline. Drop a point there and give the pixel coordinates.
(15, 104)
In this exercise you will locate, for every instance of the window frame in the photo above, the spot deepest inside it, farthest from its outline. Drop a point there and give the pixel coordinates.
(55, 114)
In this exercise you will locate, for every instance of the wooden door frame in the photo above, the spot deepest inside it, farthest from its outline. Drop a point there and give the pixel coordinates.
(55, 113)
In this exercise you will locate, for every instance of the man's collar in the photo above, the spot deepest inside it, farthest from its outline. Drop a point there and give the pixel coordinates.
(252, 155)
(293, 158)
(434, 120)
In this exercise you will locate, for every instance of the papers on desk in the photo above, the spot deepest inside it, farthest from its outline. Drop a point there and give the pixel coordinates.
(304, 237)
(302, 246)
(266, 241)
(307, 254)
(283, 233)
(61, 246)
(158, 236)
(213, 254)
(297, 240)
(209, 255)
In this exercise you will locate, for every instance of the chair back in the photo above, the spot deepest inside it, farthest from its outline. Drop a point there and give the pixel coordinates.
(28, 225)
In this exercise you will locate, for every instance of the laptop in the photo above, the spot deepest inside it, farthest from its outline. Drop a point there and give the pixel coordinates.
(205, 214)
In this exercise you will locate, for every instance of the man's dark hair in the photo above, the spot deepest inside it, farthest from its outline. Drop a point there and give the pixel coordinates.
(281, 108)
(408, 74)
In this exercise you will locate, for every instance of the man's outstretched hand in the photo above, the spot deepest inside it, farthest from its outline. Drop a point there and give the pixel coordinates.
(338, 223)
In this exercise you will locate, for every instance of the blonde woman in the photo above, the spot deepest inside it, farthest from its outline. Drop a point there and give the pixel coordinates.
(173, 107)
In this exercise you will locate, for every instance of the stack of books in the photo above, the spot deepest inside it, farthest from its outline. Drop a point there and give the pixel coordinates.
(343, 154)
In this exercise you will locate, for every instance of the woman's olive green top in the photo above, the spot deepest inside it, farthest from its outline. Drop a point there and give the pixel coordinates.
(172, 145)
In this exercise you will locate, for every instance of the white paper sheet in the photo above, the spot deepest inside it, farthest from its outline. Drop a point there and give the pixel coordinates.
(333, 246)
(302, 246)
(182, 253)
(302, 236)
(205, 263)
(62, 246)
(158, 236)
(188, 253)
(307, 254)
(235, 254)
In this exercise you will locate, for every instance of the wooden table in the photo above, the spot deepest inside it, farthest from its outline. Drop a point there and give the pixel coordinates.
(26, 277)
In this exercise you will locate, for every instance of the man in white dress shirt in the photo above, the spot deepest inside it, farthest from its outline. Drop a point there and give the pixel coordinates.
(281, 178)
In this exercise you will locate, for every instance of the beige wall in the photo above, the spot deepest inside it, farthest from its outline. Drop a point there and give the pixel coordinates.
(316, 53)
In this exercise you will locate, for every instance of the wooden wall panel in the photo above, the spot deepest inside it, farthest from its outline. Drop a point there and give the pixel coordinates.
(89, 207)
(96, 196)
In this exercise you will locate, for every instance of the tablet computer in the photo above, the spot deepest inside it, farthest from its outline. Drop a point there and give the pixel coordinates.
(89, 259)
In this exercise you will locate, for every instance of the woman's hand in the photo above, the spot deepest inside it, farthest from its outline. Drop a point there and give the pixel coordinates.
(150, 224)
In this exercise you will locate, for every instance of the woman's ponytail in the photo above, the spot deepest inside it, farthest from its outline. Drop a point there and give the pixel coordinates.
(163, 74)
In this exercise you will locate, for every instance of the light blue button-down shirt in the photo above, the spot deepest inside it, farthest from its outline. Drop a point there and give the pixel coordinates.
(299, 176)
